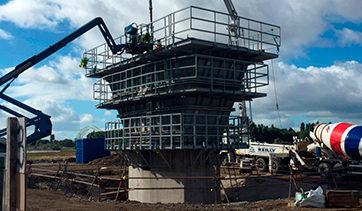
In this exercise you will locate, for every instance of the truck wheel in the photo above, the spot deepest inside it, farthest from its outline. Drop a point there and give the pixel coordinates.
(224, 162)
(275, 166)
(339, 171)
(260, 164)
(224, 158)
(323, 170)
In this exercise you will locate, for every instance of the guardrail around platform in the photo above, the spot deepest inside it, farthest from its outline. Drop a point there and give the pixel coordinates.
(166, 76)
(177, 131)
(193, 22)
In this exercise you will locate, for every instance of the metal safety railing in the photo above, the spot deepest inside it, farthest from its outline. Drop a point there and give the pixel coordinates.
(194, 22)
(177, 131)
(208, 71)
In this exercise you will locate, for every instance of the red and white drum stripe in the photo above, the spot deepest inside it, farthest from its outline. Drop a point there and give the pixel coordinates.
(342, 138)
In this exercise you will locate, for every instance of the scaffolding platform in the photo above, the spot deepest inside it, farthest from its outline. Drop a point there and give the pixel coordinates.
(193, 30)
(181, 96)
(174, 103)
(184, 47)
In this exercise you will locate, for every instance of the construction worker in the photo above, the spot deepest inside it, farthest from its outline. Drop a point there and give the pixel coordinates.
(158, 45)
(84, 62)
(145, 37)
(147, 40)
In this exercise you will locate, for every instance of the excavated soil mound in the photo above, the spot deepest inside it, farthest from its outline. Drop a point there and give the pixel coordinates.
(114, 159)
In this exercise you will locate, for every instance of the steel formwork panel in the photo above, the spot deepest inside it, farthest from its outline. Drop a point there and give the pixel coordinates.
(186, 73)
(177, 131)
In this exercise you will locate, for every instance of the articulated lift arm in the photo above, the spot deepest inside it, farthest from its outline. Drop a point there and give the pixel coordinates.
(60, 44)
(42, 121)
(231, 9)
(234, 21)
(234, 32)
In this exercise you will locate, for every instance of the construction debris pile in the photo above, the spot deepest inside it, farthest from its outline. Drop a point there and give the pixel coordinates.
(95, 181)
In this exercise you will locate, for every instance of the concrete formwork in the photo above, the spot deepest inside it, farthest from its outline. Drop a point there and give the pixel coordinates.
(174, 104)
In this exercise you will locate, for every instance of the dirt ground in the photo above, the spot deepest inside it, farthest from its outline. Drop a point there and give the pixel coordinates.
(264, 192)
(43, 199)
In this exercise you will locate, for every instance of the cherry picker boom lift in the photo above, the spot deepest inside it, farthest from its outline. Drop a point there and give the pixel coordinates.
(41, 121)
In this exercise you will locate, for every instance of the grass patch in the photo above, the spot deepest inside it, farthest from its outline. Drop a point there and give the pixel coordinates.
(63, 154)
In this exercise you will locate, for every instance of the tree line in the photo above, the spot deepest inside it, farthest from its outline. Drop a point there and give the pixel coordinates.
(263, 133)
(44, 144)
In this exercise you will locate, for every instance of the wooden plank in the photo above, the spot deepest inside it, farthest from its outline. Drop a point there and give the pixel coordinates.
(21, 164)
(342, 198)
(15, 176)
(11, 163)
(21, 193)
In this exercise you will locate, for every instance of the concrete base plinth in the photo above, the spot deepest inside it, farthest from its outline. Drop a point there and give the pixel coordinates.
(178, 184)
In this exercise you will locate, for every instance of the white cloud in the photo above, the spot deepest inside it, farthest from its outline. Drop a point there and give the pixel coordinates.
(88, 118)
(60, 80)
(43, 74)
(63, 117)
(5, 35)
(326, 94)
(302, 22)
(348, 37)
(109, 113)
(59, 112)
(30, 13)
(349, 10)
(49, 14)
(319, 114)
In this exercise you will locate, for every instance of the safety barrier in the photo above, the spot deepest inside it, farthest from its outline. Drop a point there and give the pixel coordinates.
(193, 22)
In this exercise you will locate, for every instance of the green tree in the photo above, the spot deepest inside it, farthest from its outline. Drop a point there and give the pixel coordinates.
(302, 126)
(278, 141)
(94, 134)
(66, 143)
(262, 133)
(41, 142)
(252, 130)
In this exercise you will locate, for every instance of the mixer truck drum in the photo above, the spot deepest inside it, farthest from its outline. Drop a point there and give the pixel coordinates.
(342, 138)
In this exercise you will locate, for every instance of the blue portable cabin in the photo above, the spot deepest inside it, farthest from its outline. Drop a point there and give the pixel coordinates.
(89, 149)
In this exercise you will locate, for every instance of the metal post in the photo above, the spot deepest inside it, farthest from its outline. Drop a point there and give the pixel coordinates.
(261, 36)
(214, 27)
(171, 131)
(191, 18)
(194, 129)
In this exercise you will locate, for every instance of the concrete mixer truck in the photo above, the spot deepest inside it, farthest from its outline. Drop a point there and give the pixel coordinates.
(336, 151)
(302, 156)
(343, 139)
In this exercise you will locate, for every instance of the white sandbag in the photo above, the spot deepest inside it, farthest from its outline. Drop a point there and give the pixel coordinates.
(298, 198)
(314, 198)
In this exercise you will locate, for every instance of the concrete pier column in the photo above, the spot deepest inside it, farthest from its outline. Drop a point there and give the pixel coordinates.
(186, 182)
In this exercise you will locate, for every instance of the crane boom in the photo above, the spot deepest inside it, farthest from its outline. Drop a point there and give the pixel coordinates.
(42, 121)
(234, 32)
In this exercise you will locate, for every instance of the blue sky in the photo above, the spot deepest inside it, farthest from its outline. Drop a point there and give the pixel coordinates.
(317, 76)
